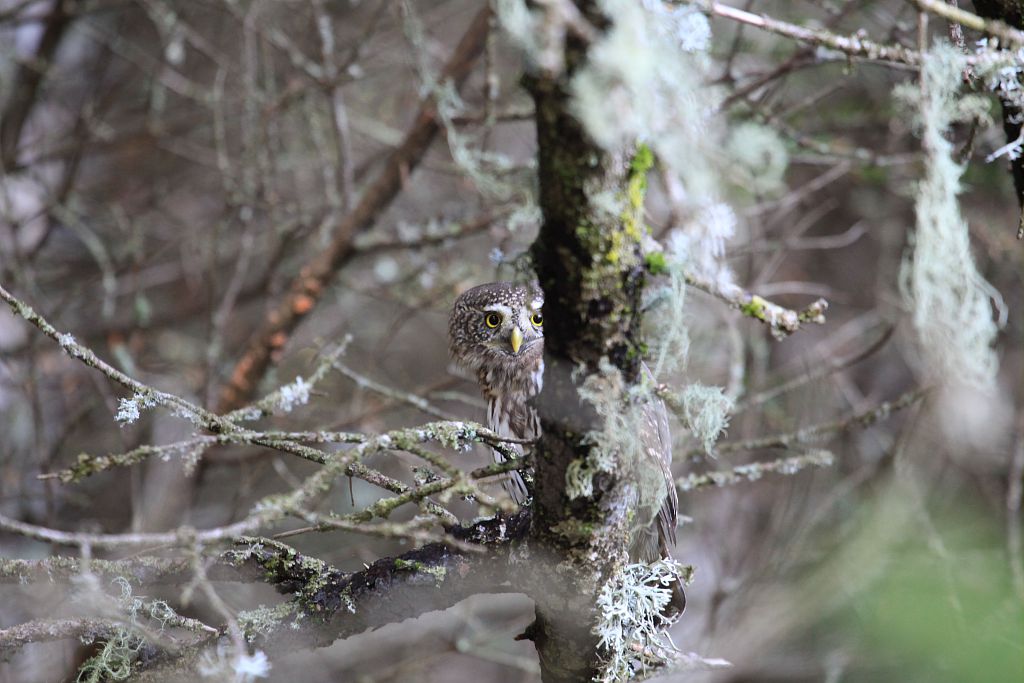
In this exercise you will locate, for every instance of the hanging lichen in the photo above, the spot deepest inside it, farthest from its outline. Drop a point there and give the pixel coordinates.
(949, 300)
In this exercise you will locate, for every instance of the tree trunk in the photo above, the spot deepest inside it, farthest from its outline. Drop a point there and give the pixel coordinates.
(590, 267)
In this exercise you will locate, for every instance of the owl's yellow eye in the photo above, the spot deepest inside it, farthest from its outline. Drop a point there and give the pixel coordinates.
(492, 320)
(537, 319)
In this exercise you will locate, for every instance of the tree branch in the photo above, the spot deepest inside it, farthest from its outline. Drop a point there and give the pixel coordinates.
(27, 80)
(1000, 29)
(755, 470)
(854, 46)
(782, 321)
(328, 605)
(46, 630)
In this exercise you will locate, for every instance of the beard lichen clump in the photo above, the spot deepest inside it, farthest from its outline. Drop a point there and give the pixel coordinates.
(948, 298)
(605, 390)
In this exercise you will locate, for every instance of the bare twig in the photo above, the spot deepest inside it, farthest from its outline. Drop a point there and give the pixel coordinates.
(27, 80)
(830, 367)
(814, 432)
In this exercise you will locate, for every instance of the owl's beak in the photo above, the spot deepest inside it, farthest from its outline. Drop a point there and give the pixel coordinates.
(516, 340)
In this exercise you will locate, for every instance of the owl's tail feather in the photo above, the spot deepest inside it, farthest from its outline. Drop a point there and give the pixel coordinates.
(516, 487)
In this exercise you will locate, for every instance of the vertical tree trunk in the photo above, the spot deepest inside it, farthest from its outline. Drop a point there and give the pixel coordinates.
(589, 264)
(1011, 12)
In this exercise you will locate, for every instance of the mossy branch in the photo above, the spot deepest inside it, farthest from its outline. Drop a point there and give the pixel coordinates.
(782, 321)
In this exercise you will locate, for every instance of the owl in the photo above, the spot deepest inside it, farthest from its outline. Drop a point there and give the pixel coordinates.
(496, 331)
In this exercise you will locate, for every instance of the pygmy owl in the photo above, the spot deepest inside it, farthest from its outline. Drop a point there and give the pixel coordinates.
(496, 331)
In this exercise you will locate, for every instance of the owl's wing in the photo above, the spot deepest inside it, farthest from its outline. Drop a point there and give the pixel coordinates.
(669, 513)
(662, 534)
(656, 541)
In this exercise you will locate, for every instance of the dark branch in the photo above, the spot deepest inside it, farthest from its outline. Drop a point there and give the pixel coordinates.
(327, 605)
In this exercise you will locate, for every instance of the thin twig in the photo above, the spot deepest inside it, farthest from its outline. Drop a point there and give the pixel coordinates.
(810, 433)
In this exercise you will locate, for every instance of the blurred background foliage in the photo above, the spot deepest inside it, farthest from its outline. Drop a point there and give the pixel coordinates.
(176, 163)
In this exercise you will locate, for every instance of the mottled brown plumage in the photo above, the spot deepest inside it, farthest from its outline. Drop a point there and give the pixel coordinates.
(483, 325)
(496, 332)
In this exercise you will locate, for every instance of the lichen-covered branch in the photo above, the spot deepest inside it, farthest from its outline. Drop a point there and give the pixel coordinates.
(326, 604)
(276, 507)
(45, 630)
(782, 321)
(451, 434)
(755, 470)
(1000, 29)
(141, 571)
(854, 45)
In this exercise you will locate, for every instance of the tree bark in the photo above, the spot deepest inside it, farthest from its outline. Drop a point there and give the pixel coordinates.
(589, 264)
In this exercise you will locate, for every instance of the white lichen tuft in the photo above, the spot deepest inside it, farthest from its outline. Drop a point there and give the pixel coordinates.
(1001, 71)
(128, 602)
(114, 660)
(631, 627)
(705, 409)
(127, 410)
(521, 24)
(698, 244)
(130, 409)
(707, 412)
(294, 394)
(66, 341)
(950, 302)
(226, 665)
(668, 331)
(685, 26)
(251, 666)
(759, 158)
(639, 71)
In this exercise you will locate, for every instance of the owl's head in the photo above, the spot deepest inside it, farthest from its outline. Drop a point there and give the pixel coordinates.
(497, 327)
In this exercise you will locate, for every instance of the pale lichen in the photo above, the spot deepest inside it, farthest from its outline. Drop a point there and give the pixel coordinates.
(630, 629)
(130, 409)
(950, 301)
(114, 661)
(294, 394)
(759, 158)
